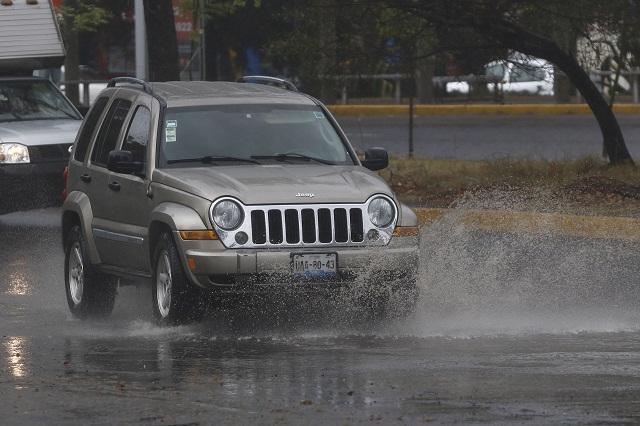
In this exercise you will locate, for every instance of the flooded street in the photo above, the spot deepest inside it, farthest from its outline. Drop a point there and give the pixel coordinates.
(509, 329)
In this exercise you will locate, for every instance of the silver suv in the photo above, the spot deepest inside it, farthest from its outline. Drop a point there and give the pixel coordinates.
(37, 127)
(227, 188)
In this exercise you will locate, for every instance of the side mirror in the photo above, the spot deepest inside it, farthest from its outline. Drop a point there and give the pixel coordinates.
(122, 162)
(375, 159)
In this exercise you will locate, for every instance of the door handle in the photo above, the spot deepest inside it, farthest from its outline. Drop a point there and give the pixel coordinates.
(115, 186)
(85, 178)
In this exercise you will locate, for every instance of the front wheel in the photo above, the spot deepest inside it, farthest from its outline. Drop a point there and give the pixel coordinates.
(175, 300)
(90, 293)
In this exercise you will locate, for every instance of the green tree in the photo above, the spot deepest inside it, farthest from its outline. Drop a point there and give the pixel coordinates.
(75, 17)
(470, 29)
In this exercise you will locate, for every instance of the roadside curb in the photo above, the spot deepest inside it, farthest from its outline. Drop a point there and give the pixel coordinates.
(490, 109)
(599, 227)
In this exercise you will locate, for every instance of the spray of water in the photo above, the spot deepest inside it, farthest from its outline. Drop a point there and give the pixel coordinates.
(471, 283)
(477, 282)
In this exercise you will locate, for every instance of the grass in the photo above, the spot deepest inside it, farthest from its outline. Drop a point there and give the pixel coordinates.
(438, 183)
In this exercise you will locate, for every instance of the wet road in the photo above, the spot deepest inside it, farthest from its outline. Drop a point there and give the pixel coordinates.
(511, 329)
(490, 137)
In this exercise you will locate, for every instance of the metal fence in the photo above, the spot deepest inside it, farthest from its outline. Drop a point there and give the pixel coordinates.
(84, 88)
(602, 79)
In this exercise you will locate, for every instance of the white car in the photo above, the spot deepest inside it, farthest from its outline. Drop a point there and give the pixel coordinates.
(525, 76)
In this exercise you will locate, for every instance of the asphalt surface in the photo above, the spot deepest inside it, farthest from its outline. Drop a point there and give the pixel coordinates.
(489, 137)
(510, 329)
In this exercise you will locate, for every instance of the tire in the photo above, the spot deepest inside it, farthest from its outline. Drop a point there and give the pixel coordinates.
(90, 293)
(175, 299)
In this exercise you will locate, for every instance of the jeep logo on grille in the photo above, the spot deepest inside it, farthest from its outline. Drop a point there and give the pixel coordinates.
(305, 194)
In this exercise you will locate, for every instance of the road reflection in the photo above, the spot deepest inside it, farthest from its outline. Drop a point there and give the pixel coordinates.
(16, 356)
(17, 281)
(230, 372)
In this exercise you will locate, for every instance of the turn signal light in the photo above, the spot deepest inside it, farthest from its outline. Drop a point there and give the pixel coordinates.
(206, 234)
(406, 231)
(191, 262)
(65, 177)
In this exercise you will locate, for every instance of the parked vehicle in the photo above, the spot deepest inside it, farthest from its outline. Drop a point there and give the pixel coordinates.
(228, 188)
(519, 76)
(37, 123)
(37, 127)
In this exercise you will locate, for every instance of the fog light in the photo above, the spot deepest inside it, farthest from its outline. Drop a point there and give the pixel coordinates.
(242, 238)
(373, 235)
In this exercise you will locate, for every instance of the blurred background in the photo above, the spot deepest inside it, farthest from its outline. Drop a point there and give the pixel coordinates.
(379, 52)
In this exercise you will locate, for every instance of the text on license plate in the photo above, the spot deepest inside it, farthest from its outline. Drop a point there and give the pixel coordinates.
(314, 265)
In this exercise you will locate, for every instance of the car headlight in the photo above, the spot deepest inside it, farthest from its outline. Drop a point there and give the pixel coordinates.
(14, 153)
(381, 212)
(227, 215)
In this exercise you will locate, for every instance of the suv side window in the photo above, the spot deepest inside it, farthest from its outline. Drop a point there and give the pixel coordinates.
(89, 126)
(138, 134)
(108, 134)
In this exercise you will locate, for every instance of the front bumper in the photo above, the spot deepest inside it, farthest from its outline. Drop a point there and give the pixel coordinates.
(29, 186)
(210, 265)
(36, 184)
(17, 172)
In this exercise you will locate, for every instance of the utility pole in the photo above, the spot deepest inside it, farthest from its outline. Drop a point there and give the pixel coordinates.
(203, 44)
(411, 112)
(140, 40)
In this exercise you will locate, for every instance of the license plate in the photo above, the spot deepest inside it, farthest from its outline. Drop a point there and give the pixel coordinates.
(314, 266)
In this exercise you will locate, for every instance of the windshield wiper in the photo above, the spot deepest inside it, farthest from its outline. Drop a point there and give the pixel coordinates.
(17, 117)
(293, 156)
(208, 159)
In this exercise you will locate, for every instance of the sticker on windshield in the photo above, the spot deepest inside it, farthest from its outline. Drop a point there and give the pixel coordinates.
(170, 131)
(318, 114)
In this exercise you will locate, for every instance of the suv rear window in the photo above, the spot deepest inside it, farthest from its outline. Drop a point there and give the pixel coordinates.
(89, 126)
(109, 132)
(137, 137)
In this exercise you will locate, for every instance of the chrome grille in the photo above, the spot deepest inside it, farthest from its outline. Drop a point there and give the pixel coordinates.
(306, 225)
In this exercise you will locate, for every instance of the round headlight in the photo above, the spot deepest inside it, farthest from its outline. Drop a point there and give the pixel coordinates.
(381, 212)
(227, 215)
(14, 153)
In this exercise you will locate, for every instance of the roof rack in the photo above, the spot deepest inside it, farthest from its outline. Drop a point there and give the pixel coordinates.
(131, 80)
(271, 81)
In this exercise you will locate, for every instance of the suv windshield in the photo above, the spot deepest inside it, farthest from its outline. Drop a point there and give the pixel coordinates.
(33, 100)
(229, 134)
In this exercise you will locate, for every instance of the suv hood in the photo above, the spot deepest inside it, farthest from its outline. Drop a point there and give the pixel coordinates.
(40, 132)
(277, 184)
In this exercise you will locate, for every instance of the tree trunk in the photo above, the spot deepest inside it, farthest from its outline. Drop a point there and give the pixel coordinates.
(614, 144)
(424, 72)
(71, 66)
(517, 38)
(161, 40)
